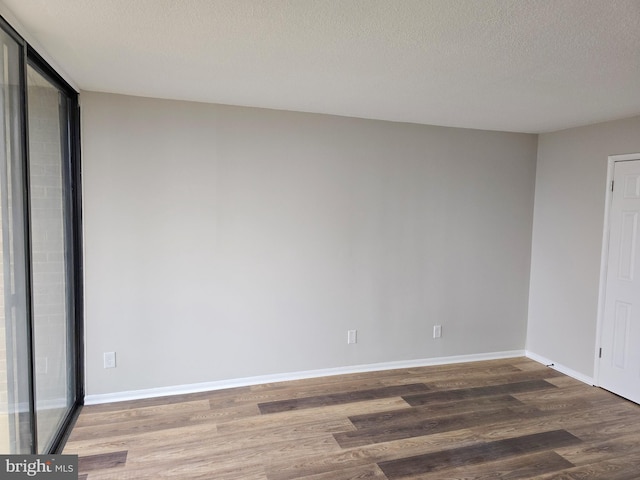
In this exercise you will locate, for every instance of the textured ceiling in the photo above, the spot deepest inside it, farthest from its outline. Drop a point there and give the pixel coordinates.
(514, 65)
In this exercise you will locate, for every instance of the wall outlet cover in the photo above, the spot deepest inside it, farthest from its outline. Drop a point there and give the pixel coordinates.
(109, 359)
(437, 331)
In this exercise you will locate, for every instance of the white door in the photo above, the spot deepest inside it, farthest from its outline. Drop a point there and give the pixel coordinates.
(619, 369)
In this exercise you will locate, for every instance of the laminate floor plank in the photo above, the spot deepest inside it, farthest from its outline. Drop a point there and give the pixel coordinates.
(187, 437)
(605, 430)
(616, 468)
(102, 461)
(565, 381)
(284, 392)
(525, 364)
(227, 395)
(336, 384)
(341, 398)
(431, 411)
(510, 419)
(585, 454)
(428, 425)
(512, 468)
(558, 395)
(236, 448)
(483, 452)
(473, 372)
(91, 417)
(327, 413)
(454, 395)
(567, 419)
(221, 458)
(206, 435)
(370, 380)
(199, 471)
(228, 413)
(487, 381)
(359, 456)
(366, 472)
(140, 425)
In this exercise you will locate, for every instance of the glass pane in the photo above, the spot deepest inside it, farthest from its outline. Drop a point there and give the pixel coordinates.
(15, 419)
(48, 142)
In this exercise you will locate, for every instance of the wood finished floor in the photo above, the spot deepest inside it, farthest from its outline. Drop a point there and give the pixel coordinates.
(495, 420)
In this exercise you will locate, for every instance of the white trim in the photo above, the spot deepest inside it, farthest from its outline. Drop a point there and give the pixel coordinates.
(604, 256)
(283, 377)
(24, 407)
(560, 368)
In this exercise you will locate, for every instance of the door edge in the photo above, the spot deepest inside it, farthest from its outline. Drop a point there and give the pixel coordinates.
(604, 256)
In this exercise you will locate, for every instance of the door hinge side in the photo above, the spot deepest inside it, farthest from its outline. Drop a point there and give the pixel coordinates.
(600, 353)
(612, 182)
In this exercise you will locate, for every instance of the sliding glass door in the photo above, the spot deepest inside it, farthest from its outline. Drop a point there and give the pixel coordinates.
(40, 335)
(51, 251)
(15, 334)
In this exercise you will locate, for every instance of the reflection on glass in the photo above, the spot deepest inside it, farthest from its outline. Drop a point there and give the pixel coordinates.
(15, 421)
(51, 344)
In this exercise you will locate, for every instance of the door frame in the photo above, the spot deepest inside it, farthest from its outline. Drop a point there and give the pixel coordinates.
(73, 183)
(604, 259)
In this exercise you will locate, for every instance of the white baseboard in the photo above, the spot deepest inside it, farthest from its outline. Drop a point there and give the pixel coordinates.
(283, 377)
(41, 405)
(560, 368)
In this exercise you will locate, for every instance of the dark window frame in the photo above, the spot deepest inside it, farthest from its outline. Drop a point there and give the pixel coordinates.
(73, 181)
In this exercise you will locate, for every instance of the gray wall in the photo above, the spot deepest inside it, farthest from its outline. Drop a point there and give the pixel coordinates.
(226, 242)
(567, 239)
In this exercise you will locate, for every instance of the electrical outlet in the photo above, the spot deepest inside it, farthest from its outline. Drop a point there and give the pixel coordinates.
(352, 336)
(109, 359)
(437, 331)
